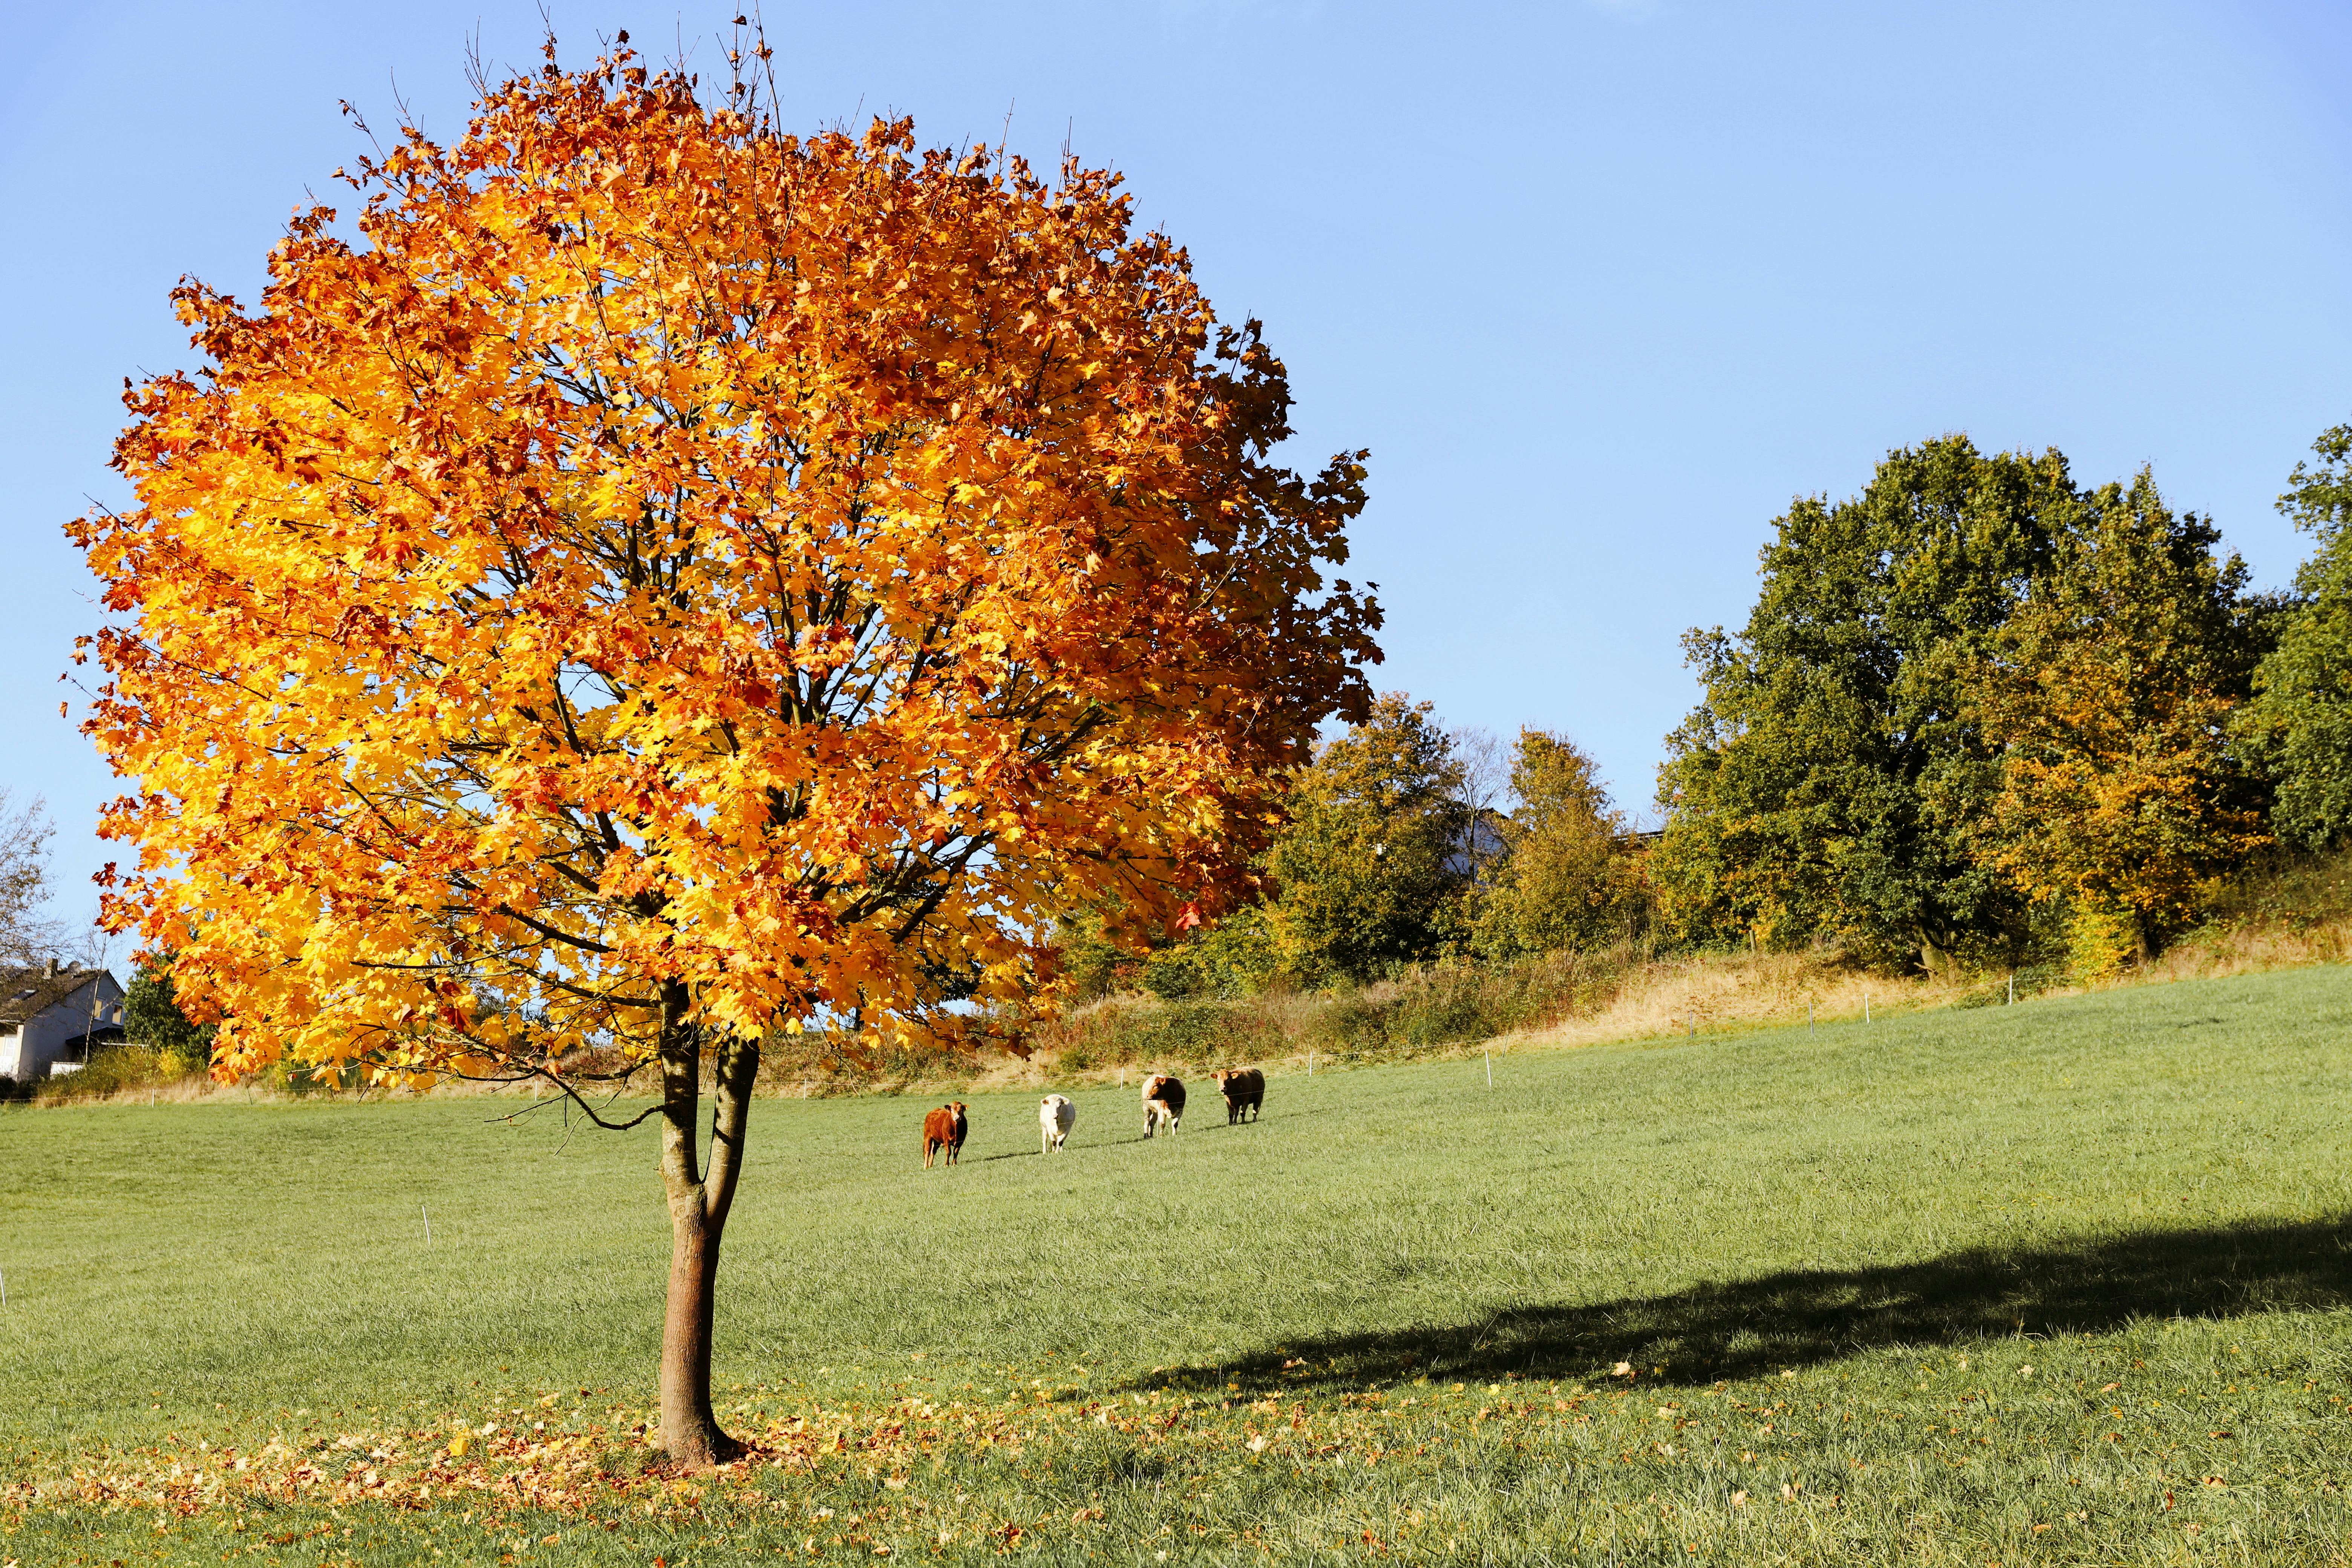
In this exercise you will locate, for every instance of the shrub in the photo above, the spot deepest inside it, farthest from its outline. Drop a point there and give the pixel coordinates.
(1234, 958)
(294, 1077)
(2030, 980)
(192, 1062)
(1131, 1032)
(1451, 1005)
(2296, 892)
(1352, 1028)
(110, 1069)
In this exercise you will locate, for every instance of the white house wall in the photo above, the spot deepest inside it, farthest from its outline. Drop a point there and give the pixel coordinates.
(48, 1037)
(44, 1038)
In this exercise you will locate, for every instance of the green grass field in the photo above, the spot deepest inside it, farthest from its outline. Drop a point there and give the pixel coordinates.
(1389, 1322)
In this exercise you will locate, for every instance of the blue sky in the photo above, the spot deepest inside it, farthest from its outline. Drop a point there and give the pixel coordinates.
(1602, 286)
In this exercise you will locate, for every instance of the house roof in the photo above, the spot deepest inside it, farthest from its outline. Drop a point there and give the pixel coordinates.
(28, 992)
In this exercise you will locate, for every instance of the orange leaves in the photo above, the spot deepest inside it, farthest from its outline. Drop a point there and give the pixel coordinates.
(820, 650)
(671, 554)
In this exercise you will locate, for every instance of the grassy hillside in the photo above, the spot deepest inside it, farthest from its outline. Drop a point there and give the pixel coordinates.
(1770, 1297)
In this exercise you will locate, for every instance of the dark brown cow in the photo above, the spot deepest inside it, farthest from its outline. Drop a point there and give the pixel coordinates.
(1245, 1089)
(1164, 1102)
(944, 1129)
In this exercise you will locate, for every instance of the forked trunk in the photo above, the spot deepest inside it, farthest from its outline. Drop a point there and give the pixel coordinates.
(699, 1202)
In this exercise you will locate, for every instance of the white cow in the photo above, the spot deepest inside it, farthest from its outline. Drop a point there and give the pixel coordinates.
(1055, 1116)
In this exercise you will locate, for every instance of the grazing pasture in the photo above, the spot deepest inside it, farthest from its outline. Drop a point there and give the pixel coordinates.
(2065, 1282)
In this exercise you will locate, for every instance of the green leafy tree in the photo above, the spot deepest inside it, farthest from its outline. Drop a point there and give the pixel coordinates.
(2109, 694)
(1233, 957)
(1090, 964)
(2298, 726)
(1568, 879)
(152, 1017)
(1370, 872)
(1230, 957)
(1832, 781)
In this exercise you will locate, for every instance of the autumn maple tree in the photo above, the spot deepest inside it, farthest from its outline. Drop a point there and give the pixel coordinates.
(667, 580)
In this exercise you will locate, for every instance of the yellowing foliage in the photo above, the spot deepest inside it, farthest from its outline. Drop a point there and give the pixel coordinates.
(2110, 696)
(675, 572)
(1571, 880)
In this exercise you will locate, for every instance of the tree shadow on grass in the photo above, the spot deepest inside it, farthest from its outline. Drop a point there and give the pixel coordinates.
(1749, 1327)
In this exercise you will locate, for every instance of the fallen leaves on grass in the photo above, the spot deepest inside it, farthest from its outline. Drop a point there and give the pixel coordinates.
(599, 1465)
(604, 1464)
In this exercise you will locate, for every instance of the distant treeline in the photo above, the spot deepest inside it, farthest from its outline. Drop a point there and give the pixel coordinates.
(1980, 715)
(1396, 852)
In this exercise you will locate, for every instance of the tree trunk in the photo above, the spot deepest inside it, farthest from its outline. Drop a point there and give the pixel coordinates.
(1934, 957)
(699, 1202)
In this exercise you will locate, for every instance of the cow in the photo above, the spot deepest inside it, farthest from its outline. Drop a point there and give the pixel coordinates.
(1245, 1089)
(1164, 1102)
(944, 1129)
(1055, 1116)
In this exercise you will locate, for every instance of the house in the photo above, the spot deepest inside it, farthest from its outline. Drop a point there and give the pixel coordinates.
(51, 1017)
(1485, 844)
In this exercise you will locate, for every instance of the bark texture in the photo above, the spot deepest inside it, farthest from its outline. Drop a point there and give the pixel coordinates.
(699, 1197)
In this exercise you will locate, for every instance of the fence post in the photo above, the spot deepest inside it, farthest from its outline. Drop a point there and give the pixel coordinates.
(2012, 988)
(1809, 1014)
(1490, 1070)
(1865, 1007)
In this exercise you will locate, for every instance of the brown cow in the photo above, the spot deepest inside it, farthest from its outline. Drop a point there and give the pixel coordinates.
(1245, 1089)
(1164, 1102)
(943, 1128)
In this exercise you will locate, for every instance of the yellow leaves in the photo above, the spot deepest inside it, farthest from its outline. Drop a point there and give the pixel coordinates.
(470, 699)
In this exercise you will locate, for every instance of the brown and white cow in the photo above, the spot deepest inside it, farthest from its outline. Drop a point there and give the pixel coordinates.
(1245, 1089)
(944, 1129)
(1164, 1102)
(1056, 1117)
